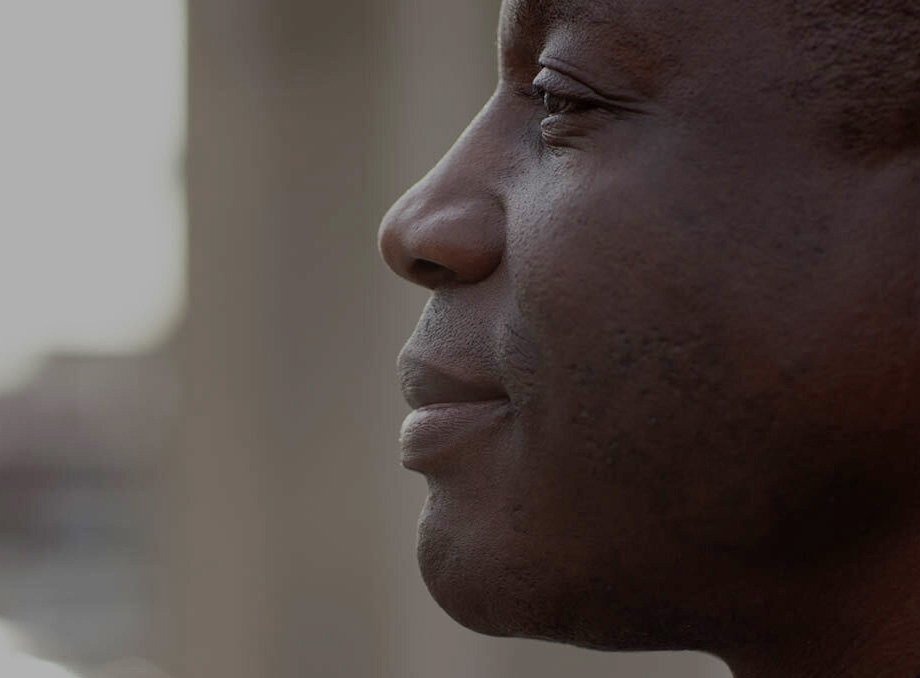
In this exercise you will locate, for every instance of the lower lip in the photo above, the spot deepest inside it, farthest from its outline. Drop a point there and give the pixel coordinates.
(446, 430)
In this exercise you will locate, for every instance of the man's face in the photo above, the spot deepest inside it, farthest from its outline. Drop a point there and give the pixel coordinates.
(681, 321)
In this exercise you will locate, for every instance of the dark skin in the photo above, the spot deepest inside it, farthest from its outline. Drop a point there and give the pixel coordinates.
(687, 298)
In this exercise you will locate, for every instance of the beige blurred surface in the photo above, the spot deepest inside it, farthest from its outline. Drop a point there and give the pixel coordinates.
(290, 526)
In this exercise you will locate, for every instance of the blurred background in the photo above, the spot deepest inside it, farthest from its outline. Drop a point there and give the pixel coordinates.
(199, 471)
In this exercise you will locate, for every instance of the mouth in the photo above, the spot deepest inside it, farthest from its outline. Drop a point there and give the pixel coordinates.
(450, 414)
(425, 385)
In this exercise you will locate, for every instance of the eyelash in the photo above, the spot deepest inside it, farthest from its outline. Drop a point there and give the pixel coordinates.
(559, 105)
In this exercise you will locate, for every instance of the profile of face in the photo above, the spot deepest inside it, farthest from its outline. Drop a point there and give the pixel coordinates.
(667, 380)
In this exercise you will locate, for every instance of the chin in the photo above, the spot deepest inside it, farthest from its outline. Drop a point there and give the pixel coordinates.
(495, 581)
(463, 573)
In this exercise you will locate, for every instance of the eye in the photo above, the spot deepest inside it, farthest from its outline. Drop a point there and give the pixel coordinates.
(557, 104)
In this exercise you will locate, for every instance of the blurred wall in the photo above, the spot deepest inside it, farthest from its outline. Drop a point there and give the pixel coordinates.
(289, 526)
(275, 492)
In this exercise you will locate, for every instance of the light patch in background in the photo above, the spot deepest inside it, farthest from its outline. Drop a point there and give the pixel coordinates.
(92, 220)
(16, 664)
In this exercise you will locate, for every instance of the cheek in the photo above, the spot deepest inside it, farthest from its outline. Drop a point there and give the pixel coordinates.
(616, 297)
(645, 315)
(619, 306)
(594, 250)
(690, 342)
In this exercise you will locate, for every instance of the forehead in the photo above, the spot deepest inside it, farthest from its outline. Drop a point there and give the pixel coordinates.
(547, 10)
(525, 16)
(651, 43)
(527, 21)
(638, 37)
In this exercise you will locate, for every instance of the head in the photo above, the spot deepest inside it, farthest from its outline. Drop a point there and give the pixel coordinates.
(675, 260)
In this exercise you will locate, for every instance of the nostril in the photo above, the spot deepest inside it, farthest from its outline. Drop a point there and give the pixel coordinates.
(429, 273)
(424, 267)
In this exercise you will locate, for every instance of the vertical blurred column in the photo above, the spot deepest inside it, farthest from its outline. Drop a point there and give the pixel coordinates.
(273, 526)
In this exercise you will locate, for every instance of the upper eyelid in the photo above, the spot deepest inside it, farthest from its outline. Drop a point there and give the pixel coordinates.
(620, 99)
(533, 91)
(555, 65)
(579, 94)
(548, 74)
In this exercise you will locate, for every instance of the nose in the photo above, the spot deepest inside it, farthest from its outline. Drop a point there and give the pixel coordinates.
(450, 227)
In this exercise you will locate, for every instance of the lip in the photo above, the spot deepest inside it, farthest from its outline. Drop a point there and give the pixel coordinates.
(450, 413)
(425, 384)
(431, 435)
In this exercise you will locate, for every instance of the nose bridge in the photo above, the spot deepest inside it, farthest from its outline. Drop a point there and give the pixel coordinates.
(450, 226)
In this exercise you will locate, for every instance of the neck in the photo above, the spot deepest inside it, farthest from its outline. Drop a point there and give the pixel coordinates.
(860, 620)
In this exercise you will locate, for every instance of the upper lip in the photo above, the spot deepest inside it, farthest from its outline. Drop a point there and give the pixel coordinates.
(425, 384)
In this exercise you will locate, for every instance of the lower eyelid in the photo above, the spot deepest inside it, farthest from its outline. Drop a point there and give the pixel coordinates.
(563, 131)
(556, 133)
